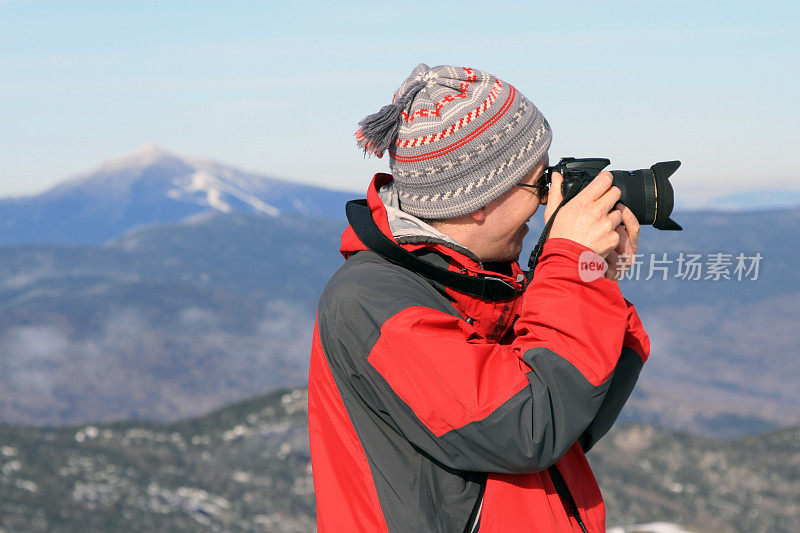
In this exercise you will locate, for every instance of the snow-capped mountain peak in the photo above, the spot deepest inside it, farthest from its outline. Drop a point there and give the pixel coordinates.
(155, 172)
(153, 185)
(146, 154)
(206, 188)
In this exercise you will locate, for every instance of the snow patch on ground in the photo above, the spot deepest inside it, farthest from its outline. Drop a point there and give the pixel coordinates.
(216, 190)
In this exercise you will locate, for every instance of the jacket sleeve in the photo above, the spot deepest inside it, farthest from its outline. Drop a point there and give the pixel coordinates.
(635, 351)
(470, 404)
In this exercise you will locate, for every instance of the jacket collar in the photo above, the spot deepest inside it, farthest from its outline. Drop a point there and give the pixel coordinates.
(408, 229)
(415, 235)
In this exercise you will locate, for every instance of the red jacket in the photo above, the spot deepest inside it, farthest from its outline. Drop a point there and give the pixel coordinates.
(433, 410)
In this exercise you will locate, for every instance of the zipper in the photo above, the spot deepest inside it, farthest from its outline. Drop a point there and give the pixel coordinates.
(474, 520)
(566, 496)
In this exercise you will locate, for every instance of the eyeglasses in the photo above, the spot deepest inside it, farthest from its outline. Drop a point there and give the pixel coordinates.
(541, 186)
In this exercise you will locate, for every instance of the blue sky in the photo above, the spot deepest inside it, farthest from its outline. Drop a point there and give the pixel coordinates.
(278, 87)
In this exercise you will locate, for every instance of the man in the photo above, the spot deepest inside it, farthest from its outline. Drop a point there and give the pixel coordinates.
(436, 406)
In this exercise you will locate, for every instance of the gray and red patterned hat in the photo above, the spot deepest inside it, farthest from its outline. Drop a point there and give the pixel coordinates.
(457, 139)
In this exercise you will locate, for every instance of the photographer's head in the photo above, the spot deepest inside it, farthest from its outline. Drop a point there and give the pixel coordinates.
(495, 231)
(459, 141)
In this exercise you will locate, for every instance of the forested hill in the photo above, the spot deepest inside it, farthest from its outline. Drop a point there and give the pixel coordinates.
(246, 468)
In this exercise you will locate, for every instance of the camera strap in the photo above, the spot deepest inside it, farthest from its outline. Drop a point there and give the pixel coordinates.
(489, 288)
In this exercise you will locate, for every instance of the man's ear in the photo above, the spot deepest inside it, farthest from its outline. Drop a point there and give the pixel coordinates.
(479, 215)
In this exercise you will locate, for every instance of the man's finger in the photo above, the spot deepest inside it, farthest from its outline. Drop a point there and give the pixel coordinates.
(554, 195)
(623, 238)
(554, 192)
(598, 186)
(624, 247)
(629, 219)
(610, 198)
(616, 218)
(632, 226)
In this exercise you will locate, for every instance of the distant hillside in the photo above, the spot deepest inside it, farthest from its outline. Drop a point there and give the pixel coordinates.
(164, 323)
(174, 320)
(152, 186)
(246, 468)
(755, 200)
(204, 293)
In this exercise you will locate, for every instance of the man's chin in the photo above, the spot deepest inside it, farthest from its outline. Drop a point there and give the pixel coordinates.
(507, 257)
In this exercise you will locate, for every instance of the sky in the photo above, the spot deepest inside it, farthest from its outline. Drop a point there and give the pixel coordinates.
(279, 87)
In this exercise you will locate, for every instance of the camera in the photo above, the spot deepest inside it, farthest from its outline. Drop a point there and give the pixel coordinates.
(646, 192)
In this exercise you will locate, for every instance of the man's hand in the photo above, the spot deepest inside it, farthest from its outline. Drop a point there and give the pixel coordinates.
(623, 256)
(589, 218)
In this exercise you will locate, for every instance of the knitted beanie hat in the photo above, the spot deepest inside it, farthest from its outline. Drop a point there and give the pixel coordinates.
(457, 139)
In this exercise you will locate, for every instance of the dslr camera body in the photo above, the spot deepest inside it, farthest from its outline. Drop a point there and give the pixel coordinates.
(646, 192)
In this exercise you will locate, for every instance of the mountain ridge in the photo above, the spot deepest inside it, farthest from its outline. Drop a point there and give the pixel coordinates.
(151, 186)
(222, 305)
